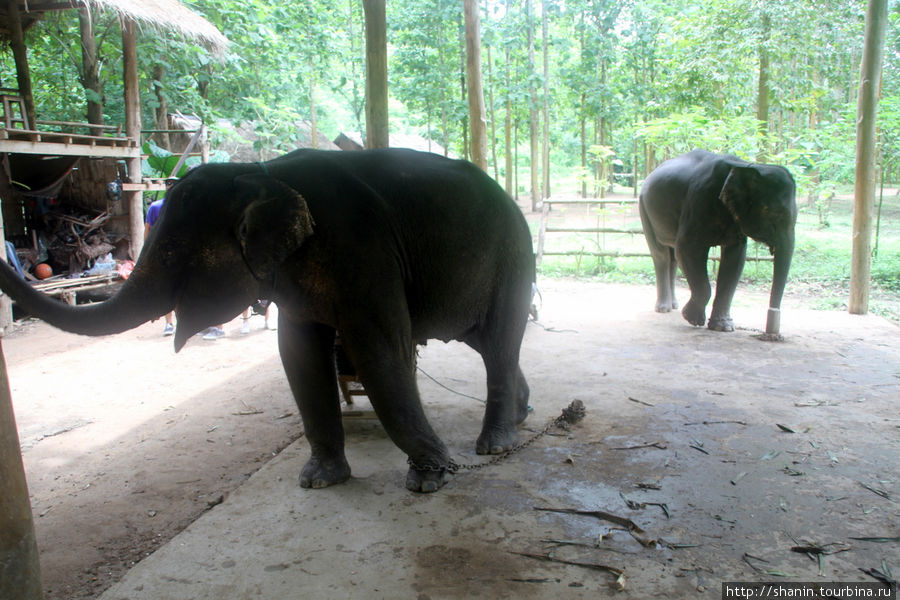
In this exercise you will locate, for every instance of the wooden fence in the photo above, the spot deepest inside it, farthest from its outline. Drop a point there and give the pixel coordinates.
(608, 240)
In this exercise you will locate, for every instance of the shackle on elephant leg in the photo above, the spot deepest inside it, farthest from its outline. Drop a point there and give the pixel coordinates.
(773, 321)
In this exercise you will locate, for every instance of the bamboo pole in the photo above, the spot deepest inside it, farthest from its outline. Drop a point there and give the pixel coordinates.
(864, 191)
(20, 571)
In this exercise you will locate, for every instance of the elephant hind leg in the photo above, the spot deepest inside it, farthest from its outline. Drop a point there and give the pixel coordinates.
(673, 272)
(507, 391)
(665, 267)
(664, 264)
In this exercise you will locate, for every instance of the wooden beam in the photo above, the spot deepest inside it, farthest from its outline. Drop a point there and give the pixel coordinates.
(200, 133)
(145, 186)
(63, 149)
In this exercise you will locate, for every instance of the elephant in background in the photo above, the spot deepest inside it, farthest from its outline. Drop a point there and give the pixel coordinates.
(698, 200)
(385, 248)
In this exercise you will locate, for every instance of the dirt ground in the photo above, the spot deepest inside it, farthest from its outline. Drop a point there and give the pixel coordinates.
(726, 450)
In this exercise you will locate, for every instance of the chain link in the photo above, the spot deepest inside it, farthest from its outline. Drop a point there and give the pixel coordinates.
(571, 414)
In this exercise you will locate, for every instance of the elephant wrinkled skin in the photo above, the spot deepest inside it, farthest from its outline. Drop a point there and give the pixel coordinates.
(385, 248)
(699, 200)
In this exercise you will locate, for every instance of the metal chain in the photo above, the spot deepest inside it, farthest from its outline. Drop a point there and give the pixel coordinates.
(571, 414)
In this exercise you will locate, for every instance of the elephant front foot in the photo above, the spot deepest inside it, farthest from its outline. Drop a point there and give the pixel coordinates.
(427, 479)
(496, 440)
(721, 324)
(694, 314)
(319, 472)
(664, 307)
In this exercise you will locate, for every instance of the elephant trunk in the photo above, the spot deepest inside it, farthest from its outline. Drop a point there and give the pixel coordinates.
(139, 300)
(783, 252)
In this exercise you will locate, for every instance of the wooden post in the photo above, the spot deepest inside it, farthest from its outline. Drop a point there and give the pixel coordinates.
(20, 572)
(474, 87)
(864, 190)
(20, 55)
(376, 74)
(5, 192)
(134, 200)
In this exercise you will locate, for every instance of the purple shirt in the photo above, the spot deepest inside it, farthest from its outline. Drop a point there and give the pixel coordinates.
(153, 212)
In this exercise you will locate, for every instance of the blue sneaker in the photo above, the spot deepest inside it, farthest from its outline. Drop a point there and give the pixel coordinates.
(169, 330)
(214, 333)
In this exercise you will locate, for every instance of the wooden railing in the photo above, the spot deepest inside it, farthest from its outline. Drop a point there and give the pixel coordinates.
(605, 246)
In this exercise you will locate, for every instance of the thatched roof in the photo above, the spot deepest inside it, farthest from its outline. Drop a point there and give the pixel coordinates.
(167, 15)
(163, 15)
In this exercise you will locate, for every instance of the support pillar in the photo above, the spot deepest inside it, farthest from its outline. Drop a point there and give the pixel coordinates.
(134, 200)
(20, 571)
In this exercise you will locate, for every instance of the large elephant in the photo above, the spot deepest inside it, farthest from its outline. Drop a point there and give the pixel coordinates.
(699, 200)
(388, 248)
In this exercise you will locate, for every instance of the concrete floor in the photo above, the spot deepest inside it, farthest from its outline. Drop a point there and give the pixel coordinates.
(677, 416)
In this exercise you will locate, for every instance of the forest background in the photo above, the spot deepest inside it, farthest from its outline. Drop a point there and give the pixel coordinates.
(582, 96)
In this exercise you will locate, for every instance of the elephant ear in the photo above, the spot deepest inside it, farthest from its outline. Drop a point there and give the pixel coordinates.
(740, 192)
(274, 222)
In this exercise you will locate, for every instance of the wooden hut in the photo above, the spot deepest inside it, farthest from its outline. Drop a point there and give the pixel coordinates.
(38, 156)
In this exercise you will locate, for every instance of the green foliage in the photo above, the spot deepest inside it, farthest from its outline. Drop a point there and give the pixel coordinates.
(160, 162)
(658, 77)
(680, 132)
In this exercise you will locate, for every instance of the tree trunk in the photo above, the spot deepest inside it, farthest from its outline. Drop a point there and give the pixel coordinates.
(313, 120)
(203, 82)
(445, 132)
(20, 55)
(162, 108)
(463, 93)
(90, 70)
(762, 95)
(508, 125)
(545, 42)
(492, 115)
(376, 74)
(474, 88)
(582, 119)
(584, 159)
(864, 192)
(533, 112)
